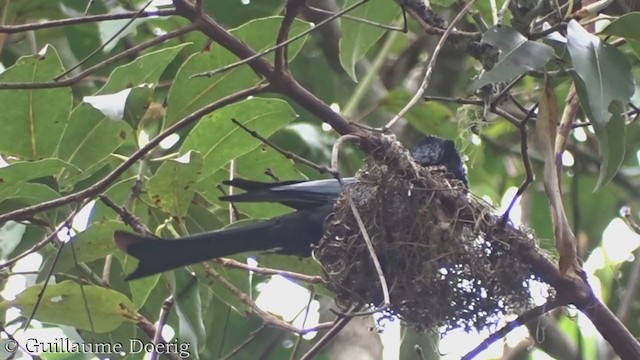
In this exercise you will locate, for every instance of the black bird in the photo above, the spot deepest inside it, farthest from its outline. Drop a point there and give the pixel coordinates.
(290, 234)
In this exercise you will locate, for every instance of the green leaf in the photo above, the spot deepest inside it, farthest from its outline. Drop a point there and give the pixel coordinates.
(67, 303)
(626, 26)
(239, 278)
(94, 243)
(11, 234)
(429, 117)
(517, 55)
(28, 193)
(605, 71)
(144, 70)
(219, 140)
(358, 37)
(89, 138)
(19, 11)
(604, 81)
(635, 46)
(235, 12)
(186, 294)
(172, 187)
(32, 121)
(189, 94)
(119, 193)
(23, 171)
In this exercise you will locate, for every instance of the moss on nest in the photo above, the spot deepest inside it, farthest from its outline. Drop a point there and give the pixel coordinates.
(446, 261)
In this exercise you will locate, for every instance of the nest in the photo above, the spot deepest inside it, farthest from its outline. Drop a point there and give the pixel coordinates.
(446, 261)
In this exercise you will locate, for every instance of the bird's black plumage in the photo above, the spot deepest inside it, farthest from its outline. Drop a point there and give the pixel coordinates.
(290, 234)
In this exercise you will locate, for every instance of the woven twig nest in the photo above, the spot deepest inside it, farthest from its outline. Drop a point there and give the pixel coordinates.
(442, 257)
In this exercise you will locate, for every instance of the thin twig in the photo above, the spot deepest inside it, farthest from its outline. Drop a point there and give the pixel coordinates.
(14, 29)
(267, 319)
(524, 151)
(522, 319)
(78, 77)
(234, 264)
(292, 9)
(278, 45)
(245, 342)
(105, 43)
(356, 215)
(288, 154)
(336, 327)
(358, 19)
(432, 61)
(165, 310)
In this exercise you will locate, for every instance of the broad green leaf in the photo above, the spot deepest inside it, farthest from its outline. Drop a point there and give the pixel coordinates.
(28, 193)
(429, 117)
(140, 289)
(626, 26)
(27, 170)
(32, 121)
(11, 234)
(189, 94)
(90, 137)
(144, 70)
(20, 11)
(67, 303)
(119, 193)
(517, 55)
(202, 218)
(219, 140)
(92, 244)
(172, 187)
(635, 46)
(239, 278)
(605, 71)
(235, 13)
(186, 294)
(611, 144)
(357, 37)
(604, 81)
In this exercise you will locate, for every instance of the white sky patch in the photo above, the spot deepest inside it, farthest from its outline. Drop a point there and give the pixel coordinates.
(160, 3)
(579, 134)
(168, 142)
(567, 158)
(516, 211)
(595, 261)
(335, 107)
(619, 241)
(457, 343)
(291, 307)
(81, 220)
(185, 159)
(111, 105)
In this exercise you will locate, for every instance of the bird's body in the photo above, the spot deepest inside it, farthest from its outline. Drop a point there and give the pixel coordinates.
(291, 234)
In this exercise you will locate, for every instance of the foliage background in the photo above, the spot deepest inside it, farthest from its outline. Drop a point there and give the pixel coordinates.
(57, 143)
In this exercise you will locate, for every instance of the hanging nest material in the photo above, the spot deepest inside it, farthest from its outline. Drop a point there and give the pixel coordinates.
(446, 261)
